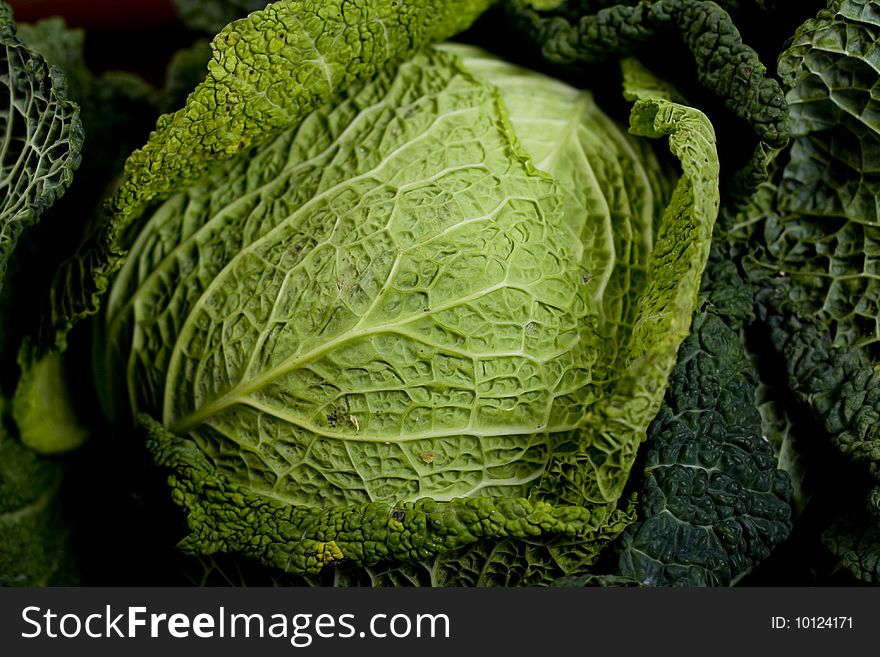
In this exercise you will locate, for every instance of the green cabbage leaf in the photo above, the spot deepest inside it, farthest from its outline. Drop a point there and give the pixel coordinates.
(396, 330)
(812, 231)
(584, 33)
(267, 72)
(712, 502)
(41, 138)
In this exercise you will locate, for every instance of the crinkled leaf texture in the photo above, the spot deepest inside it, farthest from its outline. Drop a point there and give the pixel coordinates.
(40, 137)
(813, 233)
(825, 212)
(585, 33)
(251, 92)
(40, 141)
(712, 503)
(268, 71)
(855, 540)
(386, 335)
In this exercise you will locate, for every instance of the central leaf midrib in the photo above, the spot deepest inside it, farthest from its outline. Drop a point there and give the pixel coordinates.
(237, 393)
(406, 437)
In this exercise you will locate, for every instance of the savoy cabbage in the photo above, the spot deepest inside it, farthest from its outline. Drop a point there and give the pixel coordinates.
(371, 307)
(397, 316)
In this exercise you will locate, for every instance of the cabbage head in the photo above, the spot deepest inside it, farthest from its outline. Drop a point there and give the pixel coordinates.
(437, 313)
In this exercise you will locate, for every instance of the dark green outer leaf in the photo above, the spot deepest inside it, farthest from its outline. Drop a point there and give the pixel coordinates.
(725, 65)
(40, 137)
(855, 541)
(811, 236)
(712, 503)
(831, 72)
(818, 225)
(839, 383)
